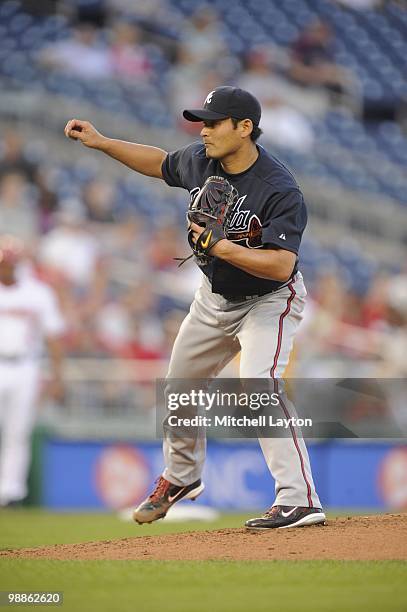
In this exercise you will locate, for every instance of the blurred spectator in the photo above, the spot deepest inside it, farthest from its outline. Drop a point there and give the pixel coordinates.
(15, 161)
(89, 11)
(71, 259)
(201, 38)
(286, 127)
(45, 7)
(189, 87)
(159, 15)
(82, 55)
(313, 62)
(283, 119)
(146, 335)
(261, 78)
(47, 202)
(159, 20)
(125, 242)
(18, 214)
(113, 325)
(144, 10)
(166, 243)
(13, 158)
(394, 349)
(327, 335)
(375, 303)
(184, 82)
(71, 248)
(99, 198)
(129, 58)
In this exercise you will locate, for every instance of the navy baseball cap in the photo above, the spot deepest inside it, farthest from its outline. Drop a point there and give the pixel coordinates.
(224, 102)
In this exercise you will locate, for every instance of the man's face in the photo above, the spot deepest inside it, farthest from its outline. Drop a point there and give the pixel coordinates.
(221, 138)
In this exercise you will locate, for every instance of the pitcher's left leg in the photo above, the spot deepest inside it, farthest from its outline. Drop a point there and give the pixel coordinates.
(266, 338)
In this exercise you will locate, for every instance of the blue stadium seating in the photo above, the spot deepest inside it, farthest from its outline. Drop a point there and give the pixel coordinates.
(371, 43)
(368, 157)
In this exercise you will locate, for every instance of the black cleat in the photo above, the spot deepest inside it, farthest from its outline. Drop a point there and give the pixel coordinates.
(282, 517)
(163, 497)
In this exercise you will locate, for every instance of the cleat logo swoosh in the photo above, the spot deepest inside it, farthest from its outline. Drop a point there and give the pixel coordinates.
(174, 497)
(287, 514)
(207, 241)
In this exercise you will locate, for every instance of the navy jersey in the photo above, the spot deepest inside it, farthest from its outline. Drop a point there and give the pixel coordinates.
(269, 213)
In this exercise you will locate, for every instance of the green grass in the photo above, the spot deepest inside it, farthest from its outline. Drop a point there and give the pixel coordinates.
(155, 586)
(219, 586)
(25, 528)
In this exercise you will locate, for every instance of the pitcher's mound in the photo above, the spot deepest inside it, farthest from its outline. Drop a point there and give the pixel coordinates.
(353, 538)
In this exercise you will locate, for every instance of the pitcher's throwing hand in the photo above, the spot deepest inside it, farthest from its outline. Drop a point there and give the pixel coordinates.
(85, 132)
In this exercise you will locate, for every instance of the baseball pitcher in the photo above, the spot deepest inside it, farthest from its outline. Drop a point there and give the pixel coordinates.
(245, 225)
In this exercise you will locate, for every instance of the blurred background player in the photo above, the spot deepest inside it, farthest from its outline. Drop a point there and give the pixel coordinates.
(28, 315)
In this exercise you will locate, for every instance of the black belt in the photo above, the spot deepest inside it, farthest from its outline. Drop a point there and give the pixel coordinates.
(244, 298)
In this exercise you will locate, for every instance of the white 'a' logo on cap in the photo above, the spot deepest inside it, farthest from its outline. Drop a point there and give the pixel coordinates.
(209, 97)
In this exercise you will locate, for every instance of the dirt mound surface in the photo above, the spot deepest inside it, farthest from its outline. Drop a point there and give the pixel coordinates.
(355, 538)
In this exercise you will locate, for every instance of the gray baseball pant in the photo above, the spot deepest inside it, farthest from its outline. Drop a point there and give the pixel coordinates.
(263, 329)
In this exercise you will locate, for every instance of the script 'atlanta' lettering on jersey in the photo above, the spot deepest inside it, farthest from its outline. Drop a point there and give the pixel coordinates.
(251, 236)
(243, 226)
(239, 218)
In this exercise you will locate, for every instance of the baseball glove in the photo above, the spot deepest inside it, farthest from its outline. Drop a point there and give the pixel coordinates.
(212, 209)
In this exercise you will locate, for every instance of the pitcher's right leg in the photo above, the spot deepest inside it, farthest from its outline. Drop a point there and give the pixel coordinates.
(201, 350)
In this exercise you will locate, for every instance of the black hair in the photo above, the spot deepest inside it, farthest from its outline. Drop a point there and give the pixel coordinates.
(255, 133)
